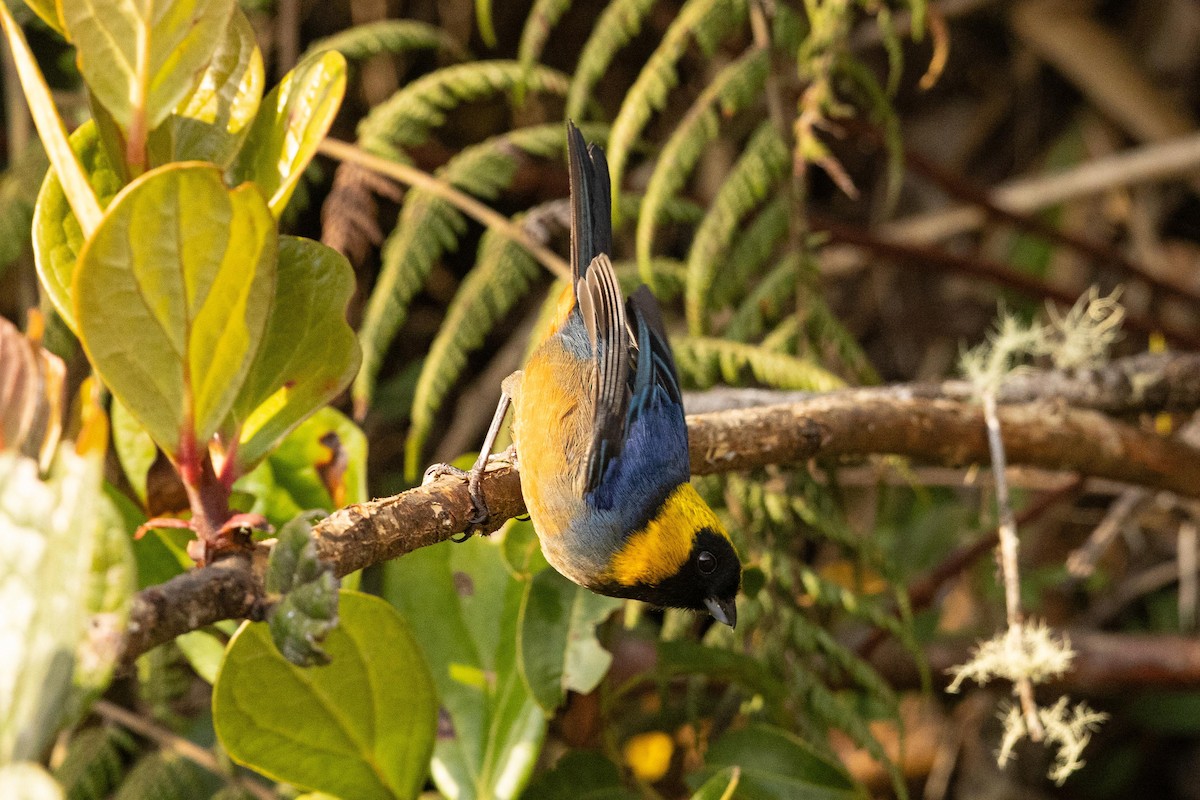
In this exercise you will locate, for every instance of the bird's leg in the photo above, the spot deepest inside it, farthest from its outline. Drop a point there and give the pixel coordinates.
(474, 476)
(479, 509)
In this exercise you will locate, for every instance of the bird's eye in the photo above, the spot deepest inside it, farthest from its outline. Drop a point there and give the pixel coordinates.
(707, 562)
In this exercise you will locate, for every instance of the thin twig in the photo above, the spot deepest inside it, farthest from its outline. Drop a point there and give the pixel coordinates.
(411, 176)
(1009, 567)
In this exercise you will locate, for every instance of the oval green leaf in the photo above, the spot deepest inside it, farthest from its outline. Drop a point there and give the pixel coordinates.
(57, 235)
(720, 786)
(361, 727)
(321, 464)
(290, 123)
(172, 295)
(777, 765)
(557, 638)
(140, 59)
(309, 353)
(463, 604)
(212, 121)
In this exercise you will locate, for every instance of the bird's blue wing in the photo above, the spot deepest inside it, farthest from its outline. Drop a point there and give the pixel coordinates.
(653, 460)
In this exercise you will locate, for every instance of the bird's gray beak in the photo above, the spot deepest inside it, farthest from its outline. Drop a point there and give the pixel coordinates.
(722, 610)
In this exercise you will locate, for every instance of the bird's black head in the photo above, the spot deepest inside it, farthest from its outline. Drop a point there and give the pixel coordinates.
(707, 581)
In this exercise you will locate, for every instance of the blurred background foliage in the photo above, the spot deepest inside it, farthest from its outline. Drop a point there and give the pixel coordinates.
(759, 148)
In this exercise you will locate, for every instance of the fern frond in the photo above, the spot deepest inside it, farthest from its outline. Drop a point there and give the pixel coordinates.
(95, 762)
(761, 166)
(702, 21)
(503, 274)
(542, 18)
(736, 86)
(670, 274)
(884, 115)
(620, 22)
(388, 36)
(406, 118)
(753, 247)
(427, 228)
(704, 362)
(785, 338)
(837, 711)
(163, 776)
(766, 303)
(825, 331)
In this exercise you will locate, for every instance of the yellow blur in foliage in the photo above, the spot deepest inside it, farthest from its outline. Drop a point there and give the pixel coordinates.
(648, 755)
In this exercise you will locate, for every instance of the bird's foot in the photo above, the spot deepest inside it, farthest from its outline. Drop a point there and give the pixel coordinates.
(474, 478)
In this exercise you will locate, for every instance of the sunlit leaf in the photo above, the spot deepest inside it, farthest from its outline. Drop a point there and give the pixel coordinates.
(172, 295)
(212, 121)
(49, 124)
(57, 235)
(291, 122)
(141, 59)
(135, 449)
(309, 353)
(362, 727)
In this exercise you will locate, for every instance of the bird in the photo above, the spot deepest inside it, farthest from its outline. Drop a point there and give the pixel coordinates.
(600, 435)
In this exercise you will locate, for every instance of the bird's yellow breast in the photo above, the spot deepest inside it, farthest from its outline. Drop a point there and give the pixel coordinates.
(661, 548)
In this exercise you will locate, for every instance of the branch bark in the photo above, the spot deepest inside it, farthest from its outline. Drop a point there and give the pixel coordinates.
(900, 420)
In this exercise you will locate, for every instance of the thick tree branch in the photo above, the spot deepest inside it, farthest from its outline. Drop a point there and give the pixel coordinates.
(907, 421)
(1144, 384)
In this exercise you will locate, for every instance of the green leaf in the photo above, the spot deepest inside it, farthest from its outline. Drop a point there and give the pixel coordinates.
(557, 638)
(463, 605)
(141, 59)
(720, 786)
(204, 651)
(362, 727)
(321, 464)
(49, 124)
(48, 11)
(27, 780)
(135, 449)
(212, 121)
(172, 295)
(48, 531)
(57, 235)
(777, 765)
(579, 775)
(309, 353)
(290, 124)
